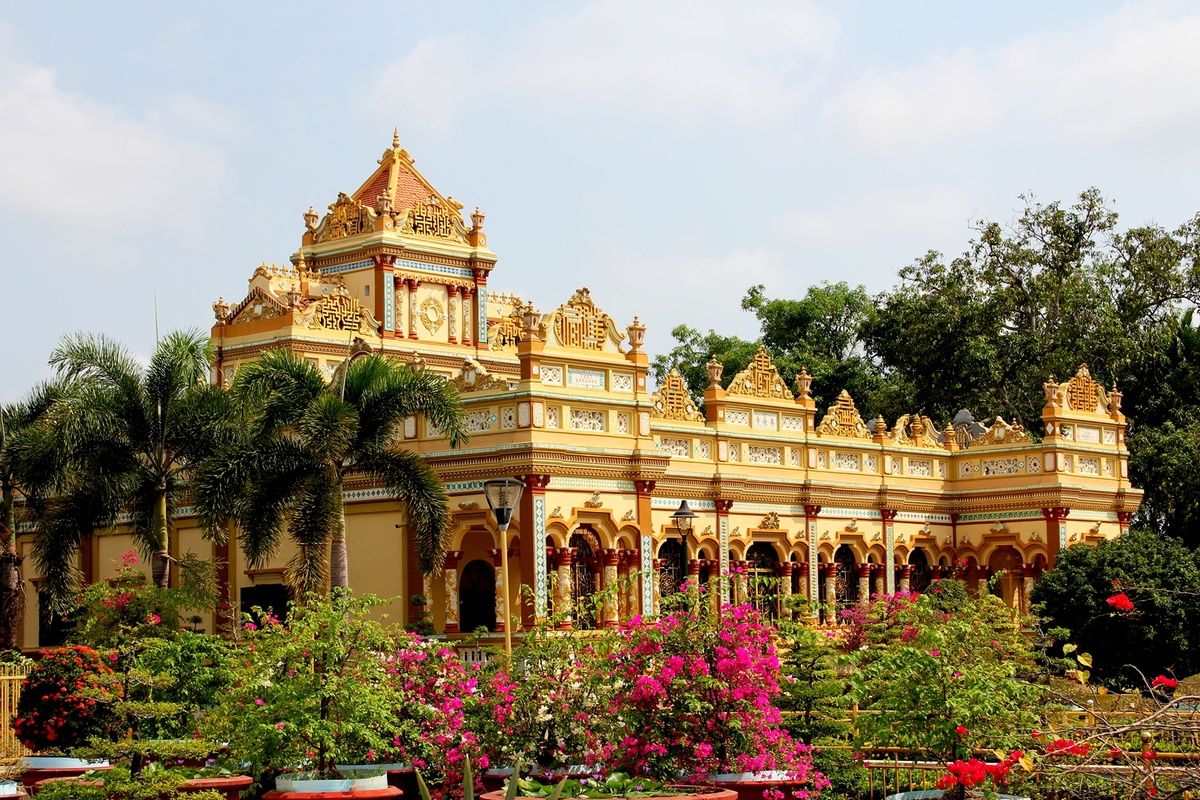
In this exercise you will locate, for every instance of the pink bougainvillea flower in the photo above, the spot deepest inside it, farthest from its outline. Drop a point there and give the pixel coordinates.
(1120, 602)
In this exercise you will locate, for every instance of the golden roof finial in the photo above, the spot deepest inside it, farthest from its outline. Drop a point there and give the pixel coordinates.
(396, 138)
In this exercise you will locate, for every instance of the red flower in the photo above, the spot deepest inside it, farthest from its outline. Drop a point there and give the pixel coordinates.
(1120, 602)
(1163, 682)
(961, 730)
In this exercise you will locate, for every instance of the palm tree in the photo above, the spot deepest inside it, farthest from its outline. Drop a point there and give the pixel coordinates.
(15, 419)
(117, 444)
(285, 474)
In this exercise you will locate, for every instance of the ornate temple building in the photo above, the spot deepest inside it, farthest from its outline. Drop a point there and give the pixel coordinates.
(834, 506)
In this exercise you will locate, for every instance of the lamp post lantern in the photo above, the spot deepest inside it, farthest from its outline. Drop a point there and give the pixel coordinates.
(503, 495)
(684, 518)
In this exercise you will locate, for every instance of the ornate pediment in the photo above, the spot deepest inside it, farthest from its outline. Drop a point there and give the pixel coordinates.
(346, 217)
(760, 379)
(434, 219)
(1083, 393)
(259, 304)
(915, 430)
(673, 401)
(580, 324)
(843, 419)
(474, 377)
(339, 312)
(770, 522)
(1001, 433)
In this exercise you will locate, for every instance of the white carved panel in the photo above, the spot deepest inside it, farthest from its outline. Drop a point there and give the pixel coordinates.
(793, 456)
(792, 423)
(479, 421)
(1001, 466)
(871, 463)
(552, 376)
(1033, 464)
(968, 469)
(735, 453)
(764, 455)
(622, 382)
(941, 469)
(1088, 465)
(508, 418)
(410, 427)
(737, 416)
(1048, 462)
(553, 415)
(1110, 436)
(676, 447)
(643, 423)
(848, 461)
(704, 450)
(622, 423)
(1090, 435)
(920, 467)
(586, 419)
(766, 420)
(1108, 468)
(585, 378)
(821, 461)
(723, 451)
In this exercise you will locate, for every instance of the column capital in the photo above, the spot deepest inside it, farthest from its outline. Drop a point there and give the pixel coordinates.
(811, 510)
(888, 514)
(452, 557)
(565, 556)
(863, 570)
(1056, 513)
(644, 486)
(723, 505)
(536, 483)
(785, 569)
(611, 557)
(1124, 517)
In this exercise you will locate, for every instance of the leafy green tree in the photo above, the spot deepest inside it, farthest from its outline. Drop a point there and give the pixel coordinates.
(119, 439)
(693, 350)
(284, 473)
(14, 419)
(1159, 636)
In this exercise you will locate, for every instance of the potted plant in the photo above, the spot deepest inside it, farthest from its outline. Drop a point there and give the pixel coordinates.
(60, 709)
(698, 701)
(551, 709)
(311, 695)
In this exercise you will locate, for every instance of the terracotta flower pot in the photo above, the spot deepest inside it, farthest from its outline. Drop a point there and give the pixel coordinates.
(231, 786)
(370, 794)
(699, 793)
(756, 785)
(41, 768)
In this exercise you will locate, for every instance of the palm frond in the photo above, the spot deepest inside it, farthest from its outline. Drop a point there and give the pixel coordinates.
(328, 428)
(317, 517)
(416, 486)
(281, 384)
(180, 362)
(404, 392)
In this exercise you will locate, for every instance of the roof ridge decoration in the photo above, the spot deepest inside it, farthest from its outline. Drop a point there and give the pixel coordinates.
(915, 430)
(674, 401)
(346, 217)
(1083, 393)
(580, 324)
(474, 377)
(843, 419)
(340, 312)
(760, 378)
(1001, 433)
(272, 306)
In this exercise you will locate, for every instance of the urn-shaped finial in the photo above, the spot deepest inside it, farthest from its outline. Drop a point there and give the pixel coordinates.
(637, 334)
(715, 368)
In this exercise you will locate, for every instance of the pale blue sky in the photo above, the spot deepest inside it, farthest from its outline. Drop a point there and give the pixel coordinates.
(666, 155)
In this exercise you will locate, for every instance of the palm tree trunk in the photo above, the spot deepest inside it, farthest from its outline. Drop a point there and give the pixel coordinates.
(161, 561)
(11, 588)
(339, 567)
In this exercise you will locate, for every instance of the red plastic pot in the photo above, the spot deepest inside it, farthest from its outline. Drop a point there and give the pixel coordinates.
(30, 778)
(231, 786)
(756, 788)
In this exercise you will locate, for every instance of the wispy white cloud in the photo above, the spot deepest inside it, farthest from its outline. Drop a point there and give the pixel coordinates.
(673, 61)
(1125, 78)
(84, 165)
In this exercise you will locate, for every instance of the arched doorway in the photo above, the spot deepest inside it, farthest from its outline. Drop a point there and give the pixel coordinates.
(920, 575)
(762, 578)
(477, 597)
(847, 577)
(1009, 586)
(585, 545)
(798, 587)
(674, 566)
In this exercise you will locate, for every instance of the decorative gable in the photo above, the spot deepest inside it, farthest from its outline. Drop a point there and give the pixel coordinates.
(915, 430)
(1001, 433)
(760, 379)
(673, 401)
(581, 325)
(340, 312)
(1083, 393)
(843, 419)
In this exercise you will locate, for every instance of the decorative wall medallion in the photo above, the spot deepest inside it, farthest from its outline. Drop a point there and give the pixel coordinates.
(432, 315)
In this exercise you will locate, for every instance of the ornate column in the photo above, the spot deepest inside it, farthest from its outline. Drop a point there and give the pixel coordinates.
(413, 284)
(467, 314)
(1056, 531)
(629, 587)
(814, 591)
(864, 584)
(649, 567)
(880, 584)
(562, 600)
(655, 582)
(981, 580)
(905, 577)
(693, 577)
(740, 594)
(451, 579)
(384, 291)
(451, 314)
(726, 584)
(888, 516)
(623, 582)
(802, 567)
(533, 570)
(1026, 586)
(497, 562)
(611, 561)
(785, 588)
(400, 303)
(830, 571)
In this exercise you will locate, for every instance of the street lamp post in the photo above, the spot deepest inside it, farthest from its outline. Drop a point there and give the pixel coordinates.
(684, 518)
(503, 495)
